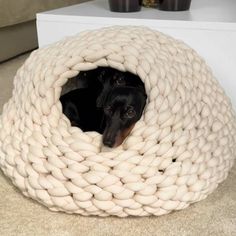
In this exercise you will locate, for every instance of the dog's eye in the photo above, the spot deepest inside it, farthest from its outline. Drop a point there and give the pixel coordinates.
(130, 113)
(120, 81)
(108, 110)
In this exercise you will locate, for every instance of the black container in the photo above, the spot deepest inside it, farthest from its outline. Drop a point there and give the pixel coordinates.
(125, 5)
(174, 5)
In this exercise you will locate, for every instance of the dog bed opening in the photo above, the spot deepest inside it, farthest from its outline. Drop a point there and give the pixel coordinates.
(104, 100)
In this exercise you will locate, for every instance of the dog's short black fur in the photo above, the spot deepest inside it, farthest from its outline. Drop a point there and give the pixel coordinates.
(123, 108)
(80, 108)
(111, 78)
(89, 79)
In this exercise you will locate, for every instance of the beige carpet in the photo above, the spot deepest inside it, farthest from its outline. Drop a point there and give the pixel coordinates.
(21, 216)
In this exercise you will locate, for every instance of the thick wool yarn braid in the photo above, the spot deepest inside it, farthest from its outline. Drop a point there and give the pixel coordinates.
(177, 154)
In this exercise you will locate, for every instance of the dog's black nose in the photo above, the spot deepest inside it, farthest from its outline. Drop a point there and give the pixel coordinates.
(108, 143)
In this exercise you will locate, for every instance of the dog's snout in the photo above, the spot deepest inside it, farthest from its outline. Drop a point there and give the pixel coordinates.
(109, 138)
(108, 143)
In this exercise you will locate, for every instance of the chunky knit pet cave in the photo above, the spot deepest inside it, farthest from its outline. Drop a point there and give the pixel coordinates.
(177, 154)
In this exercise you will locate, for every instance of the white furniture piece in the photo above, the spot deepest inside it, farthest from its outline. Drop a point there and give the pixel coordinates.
(209, 27)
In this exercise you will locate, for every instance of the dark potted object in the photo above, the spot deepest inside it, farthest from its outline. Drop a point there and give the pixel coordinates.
(125, 5)
(174, 5)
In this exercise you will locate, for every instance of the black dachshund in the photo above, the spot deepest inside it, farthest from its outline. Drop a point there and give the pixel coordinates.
(110, 103)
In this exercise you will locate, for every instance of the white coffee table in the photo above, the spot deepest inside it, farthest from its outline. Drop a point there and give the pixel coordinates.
(209, 27)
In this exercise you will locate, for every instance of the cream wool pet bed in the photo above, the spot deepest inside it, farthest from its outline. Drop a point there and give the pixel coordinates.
(177, 154)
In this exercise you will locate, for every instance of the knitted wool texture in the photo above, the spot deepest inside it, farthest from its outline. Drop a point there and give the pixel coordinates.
(177, 154)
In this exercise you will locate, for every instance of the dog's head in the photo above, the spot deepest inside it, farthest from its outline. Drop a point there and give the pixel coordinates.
(109, 78)
(123, 108)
